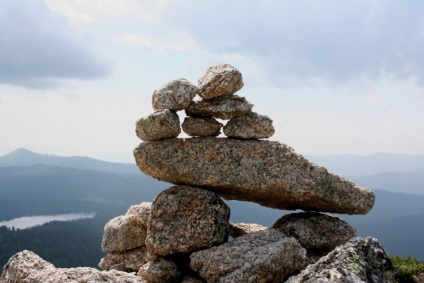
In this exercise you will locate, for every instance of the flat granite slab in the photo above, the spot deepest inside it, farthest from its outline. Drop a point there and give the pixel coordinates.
(265, 172)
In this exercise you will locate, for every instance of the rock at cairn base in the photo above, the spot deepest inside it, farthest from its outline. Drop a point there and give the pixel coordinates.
(159, 271)
(201, 127)
(175, 95)
(315, 230)
(129, 260)
(360, 260)
(164, 124)
(238, 229)
(264, 256)
(185, 219)
(265, 172)
(27, 267)
(249, 126)
(222, 107)
(222, 79)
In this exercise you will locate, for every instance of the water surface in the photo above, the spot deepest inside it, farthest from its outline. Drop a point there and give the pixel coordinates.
(31, 221)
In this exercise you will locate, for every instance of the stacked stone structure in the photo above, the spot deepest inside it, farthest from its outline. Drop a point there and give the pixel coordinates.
(185, 234)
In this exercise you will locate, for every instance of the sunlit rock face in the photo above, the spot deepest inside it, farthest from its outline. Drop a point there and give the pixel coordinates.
(266, 172)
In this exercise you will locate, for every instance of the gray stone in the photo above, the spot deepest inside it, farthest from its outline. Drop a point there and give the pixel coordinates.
(160, 271)
(175, 95)
(201, 127)
(129, 260)
(141, 211)
(185, 219)
(27, 267)
(266, 172)
(249, 126)
(222, 79)
(159, 125)
(124, 232)
(315, 230)
(360, 260)
(264, 256)
(223, 107)
(238, 229)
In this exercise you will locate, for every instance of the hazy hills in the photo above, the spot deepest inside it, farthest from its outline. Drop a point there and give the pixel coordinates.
(24, 157)
(32, 183)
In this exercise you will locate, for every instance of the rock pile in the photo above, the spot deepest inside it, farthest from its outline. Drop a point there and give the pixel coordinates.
(183, 235)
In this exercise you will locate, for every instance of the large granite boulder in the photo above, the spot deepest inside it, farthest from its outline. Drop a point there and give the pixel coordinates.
(129, 260)
(201, 126)
(27, 267)
(163, 124)
(249, 126)
(175, 95)
(222, 107)
(266, 172)
(222, 79)
(185, 219)
(264, 256)
(360, 260)
(127, 231)
(315, 230)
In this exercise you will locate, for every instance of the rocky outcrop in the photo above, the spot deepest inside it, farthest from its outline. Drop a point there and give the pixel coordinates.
(264, 256)
(185, 219)
(265, 172)
(27, 267)
(183, 236)
(360, 260)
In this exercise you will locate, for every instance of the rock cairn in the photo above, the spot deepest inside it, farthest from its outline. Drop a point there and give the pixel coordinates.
(185, 234)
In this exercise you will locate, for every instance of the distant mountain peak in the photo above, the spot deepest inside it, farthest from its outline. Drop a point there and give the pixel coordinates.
(23, 157)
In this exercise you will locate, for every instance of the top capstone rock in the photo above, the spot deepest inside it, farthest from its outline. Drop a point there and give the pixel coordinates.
(222, 79)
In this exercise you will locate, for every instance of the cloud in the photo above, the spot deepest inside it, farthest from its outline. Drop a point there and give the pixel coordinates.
(175, 42)
(39, 48)
(303, 40)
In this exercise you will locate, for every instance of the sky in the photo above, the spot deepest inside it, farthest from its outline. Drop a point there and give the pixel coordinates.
(336, 77)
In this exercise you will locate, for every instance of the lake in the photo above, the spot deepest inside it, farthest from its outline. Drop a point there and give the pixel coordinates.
(36, 220)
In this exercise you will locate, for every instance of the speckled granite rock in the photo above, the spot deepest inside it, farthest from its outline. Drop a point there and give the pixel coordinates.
(222, 79)
(360, 260)
(249, 126)
(160, 271)
(265, 172)
(159, 125)
(201, 127)
(27, 267)
(264, 256)
(129, 260)
(127, 231)
(175, 95)
(315, 230)
(222, 107)
(238, 229)
(185, 219)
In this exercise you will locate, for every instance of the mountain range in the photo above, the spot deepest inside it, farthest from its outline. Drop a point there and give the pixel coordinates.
(32, 183)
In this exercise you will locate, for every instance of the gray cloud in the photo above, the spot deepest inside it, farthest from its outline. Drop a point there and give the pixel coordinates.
(39, 47)
(299, 40)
